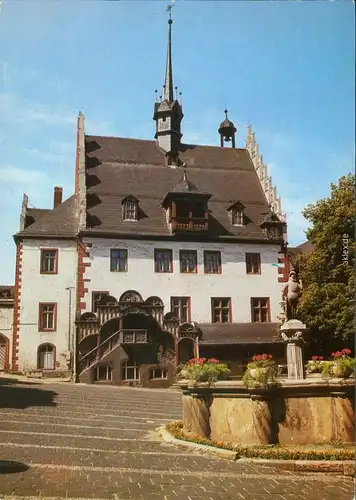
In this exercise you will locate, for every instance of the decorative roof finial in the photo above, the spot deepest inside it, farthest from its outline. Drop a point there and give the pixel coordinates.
(225, 111)
(169, 10)
(168, 82)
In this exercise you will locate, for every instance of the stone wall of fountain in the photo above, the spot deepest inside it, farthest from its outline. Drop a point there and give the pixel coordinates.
(298, 412)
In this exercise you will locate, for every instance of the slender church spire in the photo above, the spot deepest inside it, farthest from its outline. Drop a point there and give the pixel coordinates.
(168, 81)
(168, 113)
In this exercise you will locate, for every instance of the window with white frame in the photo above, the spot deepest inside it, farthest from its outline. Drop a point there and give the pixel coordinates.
(237, 215)
(104, 373)
(46, 357)
(130, 209)
(158, 373)
(130, 371)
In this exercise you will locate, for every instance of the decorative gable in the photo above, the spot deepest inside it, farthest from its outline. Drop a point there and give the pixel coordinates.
(130, 208)
(273, 226)
(236, 213)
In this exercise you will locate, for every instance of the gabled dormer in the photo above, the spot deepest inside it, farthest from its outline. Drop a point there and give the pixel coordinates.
(130, 206)
(236, 211)
(187, 207)
(273, 226)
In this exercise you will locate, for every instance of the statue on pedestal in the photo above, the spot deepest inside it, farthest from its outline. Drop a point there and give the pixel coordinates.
(291, 294)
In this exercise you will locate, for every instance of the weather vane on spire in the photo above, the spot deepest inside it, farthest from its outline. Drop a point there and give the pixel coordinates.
(169, 9)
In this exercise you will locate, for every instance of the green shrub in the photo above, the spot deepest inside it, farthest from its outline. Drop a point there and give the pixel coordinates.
(204, 370)
(266, 370)
(268, 452)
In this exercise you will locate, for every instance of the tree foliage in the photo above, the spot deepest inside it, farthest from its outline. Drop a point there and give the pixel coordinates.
(327, 273)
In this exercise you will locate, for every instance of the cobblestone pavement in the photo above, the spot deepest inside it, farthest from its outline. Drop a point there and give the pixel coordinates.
(65, 441)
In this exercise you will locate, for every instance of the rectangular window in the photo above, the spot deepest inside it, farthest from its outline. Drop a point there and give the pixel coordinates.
(130, 210)
(180, 307)
(221, 310)
(237, 217)
(188, 261)
(260, 310)
(118, 260)
(49, 261)
(158, 373)
(47, 317)
(212, 262)
(163, 261)
(103, 373)
(130, 372)
(95, 299)
(253, 263)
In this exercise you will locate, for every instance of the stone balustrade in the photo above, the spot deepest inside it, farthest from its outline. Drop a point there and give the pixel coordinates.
(297, 412)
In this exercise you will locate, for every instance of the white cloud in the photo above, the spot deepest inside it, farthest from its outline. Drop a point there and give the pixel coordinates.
(15, 110)
(58, 153)
(15, 175)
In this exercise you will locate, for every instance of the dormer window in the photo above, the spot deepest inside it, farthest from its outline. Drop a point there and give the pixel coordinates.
(237, 217)
(187, 207)
(130, 208)
(236, 214)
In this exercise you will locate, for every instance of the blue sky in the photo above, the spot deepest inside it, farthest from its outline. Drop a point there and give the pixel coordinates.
(287, 67)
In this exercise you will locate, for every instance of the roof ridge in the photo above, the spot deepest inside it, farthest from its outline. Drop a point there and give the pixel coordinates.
(152, 141)
(213, 146)
(119, 137)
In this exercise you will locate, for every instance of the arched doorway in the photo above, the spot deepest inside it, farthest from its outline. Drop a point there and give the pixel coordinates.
(186, 350)
(4, 353)
(46, 357)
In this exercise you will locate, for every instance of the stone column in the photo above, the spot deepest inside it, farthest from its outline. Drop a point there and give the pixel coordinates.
(292, 332)
(295, 361)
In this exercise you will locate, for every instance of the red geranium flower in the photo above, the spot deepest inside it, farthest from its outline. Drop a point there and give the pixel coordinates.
(213, 360)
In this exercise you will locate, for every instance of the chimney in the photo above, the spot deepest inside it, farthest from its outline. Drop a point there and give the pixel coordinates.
(57, 197)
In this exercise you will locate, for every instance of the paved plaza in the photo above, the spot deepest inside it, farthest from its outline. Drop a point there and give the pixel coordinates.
(66, 441)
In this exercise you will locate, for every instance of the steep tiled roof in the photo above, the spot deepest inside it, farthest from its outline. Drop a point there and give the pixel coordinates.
(117, 167)
(305, 247)
(238, 333)
(61, 221)
(33, 214)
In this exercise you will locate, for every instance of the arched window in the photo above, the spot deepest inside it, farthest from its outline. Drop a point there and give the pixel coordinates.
(46, 357)
(130, 208)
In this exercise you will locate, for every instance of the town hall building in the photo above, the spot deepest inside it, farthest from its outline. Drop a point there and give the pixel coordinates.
(165, 251)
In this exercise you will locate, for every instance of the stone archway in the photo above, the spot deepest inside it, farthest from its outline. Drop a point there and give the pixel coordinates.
(186, 349)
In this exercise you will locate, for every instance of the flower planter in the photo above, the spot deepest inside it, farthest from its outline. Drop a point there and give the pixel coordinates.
(260, 373)
(315, 369)
(340, 371)
(202, 377)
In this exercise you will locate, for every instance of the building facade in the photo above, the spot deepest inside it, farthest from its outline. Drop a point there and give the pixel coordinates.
(165, 251)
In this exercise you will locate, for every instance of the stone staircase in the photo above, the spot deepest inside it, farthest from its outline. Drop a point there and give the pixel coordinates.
(93, 357)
